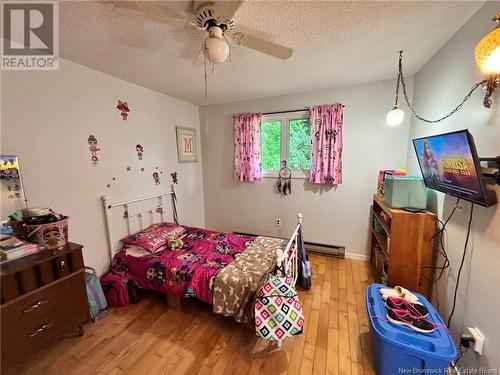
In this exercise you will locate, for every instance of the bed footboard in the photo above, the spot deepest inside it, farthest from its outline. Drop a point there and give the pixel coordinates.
(288, 259)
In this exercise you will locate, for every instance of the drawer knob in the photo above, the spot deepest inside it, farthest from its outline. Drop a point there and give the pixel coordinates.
(41, 329)
(33, 307)
(63, 265)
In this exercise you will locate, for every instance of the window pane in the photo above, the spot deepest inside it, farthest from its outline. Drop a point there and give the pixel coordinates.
(299, 154)
(271, 152)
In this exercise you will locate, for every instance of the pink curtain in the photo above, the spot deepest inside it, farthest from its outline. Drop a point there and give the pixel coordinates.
(326, 144)
(247, 147)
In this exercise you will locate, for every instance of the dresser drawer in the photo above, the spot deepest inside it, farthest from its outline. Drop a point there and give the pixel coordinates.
(35, 319)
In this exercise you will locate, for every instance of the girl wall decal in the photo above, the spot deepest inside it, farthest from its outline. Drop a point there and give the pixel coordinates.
(156, 178)
(93, 148)
(140, 151)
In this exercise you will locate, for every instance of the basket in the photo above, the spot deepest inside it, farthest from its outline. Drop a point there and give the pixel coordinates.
(50, 235)
(19, 229)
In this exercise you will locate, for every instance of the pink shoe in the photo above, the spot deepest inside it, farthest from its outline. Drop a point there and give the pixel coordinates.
(403, 317)
(415, 309)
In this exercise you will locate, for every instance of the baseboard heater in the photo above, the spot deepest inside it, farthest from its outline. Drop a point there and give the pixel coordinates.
(315, 247)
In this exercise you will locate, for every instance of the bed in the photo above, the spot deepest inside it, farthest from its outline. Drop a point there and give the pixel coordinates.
(221, 269)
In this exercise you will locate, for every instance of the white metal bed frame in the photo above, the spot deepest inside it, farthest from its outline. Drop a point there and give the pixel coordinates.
(286, 260)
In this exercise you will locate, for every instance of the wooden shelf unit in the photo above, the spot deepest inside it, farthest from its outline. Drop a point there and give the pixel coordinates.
(402, 246)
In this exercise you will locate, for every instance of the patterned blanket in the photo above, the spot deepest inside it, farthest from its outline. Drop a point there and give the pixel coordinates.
(188, 271)
(236, 284)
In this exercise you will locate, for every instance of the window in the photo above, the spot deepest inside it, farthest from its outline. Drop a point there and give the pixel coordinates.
(286, 137)
(271, 145)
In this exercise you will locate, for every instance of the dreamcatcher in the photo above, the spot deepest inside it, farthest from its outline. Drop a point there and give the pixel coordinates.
(284, 179)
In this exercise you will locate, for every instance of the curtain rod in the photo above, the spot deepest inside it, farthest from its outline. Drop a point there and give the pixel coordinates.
(288, 111)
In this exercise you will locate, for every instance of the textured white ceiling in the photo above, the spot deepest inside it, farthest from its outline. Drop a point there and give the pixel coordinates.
(335, 43)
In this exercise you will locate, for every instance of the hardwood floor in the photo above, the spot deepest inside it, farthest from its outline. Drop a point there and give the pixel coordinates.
(150, 338)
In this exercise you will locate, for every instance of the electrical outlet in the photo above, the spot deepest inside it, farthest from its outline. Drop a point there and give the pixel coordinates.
(278, 222)
(478, 339)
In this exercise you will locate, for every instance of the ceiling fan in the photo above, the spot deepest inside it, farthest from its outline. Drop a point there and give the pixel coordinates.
(216, 18)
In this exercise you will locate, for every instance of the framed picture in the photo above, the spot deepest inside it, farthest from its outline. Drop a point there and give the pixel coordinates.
(186, 144)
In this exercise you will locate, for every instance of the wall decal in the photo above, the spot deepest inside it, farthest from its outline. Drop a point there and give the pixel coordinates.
(140, 151)
(128, 168)
(93, 148)
(142, 169)
(123, 107)
(156, 178)
(114, 178)
(108, 185)
(174, 177)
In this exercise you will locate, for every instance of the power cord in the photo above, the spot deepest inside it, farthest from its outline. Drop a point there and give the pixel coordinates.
(440, 248)
(461, 265)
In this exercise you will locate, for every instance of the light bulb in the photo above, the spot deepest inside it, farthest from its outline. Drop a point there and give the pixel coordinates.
(395, 116)
(491, 66)
(216, 46)
(488, 51)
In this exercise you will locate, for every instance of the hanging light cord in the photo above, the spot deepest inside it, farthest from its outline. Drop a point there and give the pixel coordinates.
(206, 82)
(205, 69)
(410, 107)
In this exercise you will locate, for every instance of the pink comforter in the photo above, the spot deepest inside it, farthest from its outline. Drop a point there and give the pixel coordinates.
(189, 271)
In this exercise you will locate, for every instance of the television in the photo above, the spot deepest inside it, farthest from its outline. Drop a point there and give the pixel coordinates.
(449, 163)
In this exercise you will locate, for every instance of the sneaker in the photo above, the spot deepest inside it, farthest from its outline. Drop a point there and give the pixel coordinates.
(403, 317)
(416, 309)
(400, 292)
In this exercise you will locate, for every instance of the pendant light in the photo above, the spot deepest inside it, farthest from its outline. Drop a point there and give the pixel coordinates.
(488, 51)
(488, 60)
(396, 115)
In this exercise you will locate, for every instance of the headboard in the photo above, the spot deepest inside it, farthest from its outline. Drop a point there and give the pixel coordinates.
(129, 213)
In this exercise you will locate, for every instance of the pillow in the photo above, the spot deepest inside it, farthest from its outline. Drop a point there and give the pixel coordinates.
(154, 236)
(136, 251)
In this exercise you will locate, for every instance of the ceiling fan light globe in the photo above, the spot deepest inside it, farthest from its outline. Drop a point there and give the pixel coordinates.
(395, 116)
(217, 50)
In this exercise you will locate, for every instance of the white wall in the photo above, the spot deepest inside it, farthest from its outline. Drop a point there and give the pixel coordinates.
(46, 120)
(439, 86)
(334, 216)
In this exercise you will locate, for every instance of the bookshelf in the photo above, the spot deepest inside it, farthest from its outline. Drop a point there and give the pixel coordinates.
(401, 246)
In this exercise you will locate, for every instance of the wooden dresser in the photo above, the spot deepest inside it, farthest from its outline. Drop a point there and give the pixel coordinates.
(43, 298)
(402, 246)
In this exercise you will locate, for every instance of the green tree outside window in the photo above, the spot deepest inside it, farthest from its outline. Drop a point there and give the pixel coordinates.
(299, 144)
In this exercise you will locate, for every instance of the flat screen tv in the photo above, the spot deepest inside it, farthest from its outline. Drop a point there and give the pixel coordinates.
(450, 164)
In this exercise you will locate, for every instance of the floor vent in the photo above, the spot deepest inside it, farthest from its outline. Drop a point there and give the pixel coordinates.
(315, 248)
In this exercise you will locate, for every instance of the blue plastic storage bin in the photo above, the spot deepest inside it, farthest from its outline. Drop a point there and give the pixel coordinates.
(400, 349)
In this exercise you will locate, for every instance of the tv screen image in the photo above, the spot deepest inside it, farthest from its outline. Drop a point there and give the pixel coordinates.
(449, 163)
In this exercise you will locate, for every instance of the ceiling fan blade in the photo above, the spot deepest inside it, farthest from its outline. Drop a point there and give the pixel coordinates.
(262, 45)
(152, 12)
(228, 8)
